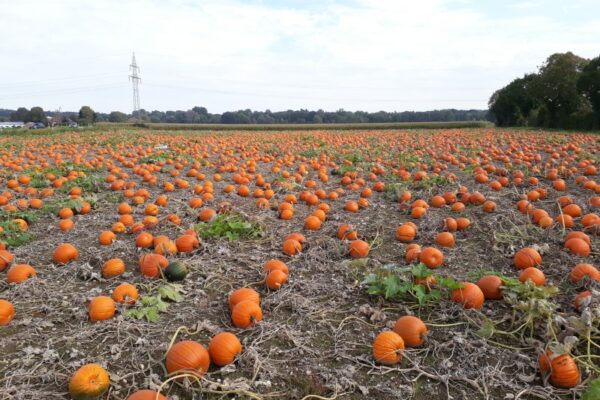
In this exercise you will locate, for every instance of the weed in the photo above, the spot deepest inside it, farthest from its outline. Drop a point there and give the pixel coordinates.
(393, 191)
(29, 215)
(593, 390)
(231, 226)
(430, 182)
(400, 283)
(152, 306)
(155, 158)
(55, 206)
(88, 183)
(12, 234)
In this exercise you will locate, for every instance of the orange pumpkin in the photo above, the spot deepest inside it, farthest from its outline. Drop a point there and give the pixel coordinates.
(20, 273)
(490, 285)
(188, 357)
(534, 275)
(526, 258)
(359, 249)
(144, 240)
(470, 296)
(272, 265)
(106, 238)
(125, 293)
(187, 243)
(65, 253)
(291, 247)
(151, 264)
(412, 330)
(243, 294)
(6, 258)
(113, 267)
(223, 348)
(405, 233)
(245, 314)
(146, 394)
(7, 312)
(578, 247)
(89, 381)
(101, 308)
(345, 231)
(562, 369)
(275, 279)
(388, 347)
(581, 271)
(431, 257)
(445, 239)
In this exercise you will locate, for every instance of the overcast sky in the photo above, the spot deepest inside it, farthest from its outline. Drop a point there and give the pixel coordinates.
(227, 54)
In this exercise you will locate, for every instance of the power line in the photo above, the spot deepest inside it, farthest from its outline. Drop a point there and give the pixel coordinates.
(81, 89)
(294, 96)
(58, 80)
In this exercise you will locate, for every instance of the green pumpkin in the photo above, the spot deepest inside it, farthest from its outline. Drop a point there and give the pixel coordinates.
(176, 271)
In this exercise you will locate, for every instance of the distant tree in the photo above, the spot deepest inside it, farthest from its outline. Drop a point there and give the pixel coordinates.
(37, 114)
(157, 116)
(117, 116)
(235, 117)
(180, 117)
(21, 114)
(511, 105)
(589, 86)
(86, 116)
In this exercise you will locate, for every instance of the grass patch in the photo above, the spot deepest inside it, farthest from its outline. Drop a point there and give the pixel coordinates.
(155, 158)
(430, 182)
(396, 283)
(88, 183)
(13, 235)
(56, 206)
(393, 191)
(230, 226)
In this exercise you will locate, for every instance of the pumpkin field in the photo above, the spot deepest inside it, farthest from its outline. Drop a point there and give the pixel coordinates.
(364, 264)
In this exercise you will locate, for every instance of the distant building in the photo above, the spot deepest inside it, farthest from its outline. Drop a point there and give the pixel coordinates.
(11, 124)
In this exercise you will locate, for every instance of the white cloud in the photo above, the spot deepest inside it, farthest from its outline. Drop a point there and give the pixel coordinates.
(369, 55)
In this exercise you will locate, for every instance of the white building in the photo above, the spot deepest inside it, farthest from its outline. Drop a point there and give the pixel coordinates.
(11, 124)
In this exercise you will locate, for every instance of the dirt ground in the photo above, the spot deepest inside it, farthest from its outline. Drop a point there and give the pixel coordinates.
(316, 336)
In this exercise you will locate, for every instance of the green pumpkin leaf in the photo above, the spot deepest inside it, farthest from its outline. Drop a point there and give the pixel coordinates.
(486, 330)
(149, 300)
(161, 306)
(450, 283)
(392, 286)
(359, 263)
(151, 314)
(420, 293)
(593, 390)
(420, 270)
(171, 292)
(136, 314)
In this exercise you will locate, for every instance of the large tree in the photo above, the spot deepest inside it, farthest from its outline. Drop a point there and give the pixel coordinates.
(86, 116)
(511, 105)
(21, 114)
(589, 85)
(37, 114)
(556, 87)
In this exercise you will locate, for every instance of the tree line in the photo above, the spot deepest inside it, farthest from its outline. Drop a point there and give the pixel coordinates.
(564, 93)
(85, 116)
(200, 115)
